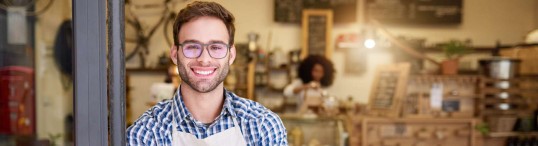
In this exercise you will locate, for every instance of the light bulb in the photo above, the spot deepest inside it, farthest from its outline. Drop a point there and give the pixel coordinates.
(369, 43)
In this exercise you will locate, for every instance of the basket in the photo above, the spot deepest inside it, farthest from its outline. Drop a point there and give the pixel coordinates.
(502, 123)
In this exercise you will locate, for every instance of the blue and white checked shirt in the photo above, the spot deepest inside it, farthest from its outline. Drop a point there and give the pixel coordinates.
(259, 125)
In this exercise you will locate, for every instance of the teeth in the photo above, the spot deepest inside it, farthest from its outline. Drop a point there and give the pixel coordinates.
(204, 72)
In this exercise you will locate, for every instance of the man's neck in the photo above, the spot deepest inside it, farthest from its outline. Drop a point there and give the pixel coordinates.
(204, 107)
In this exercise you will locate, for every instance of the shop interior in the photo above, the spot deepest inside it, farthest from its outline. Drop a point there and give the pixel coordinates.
(406, 72)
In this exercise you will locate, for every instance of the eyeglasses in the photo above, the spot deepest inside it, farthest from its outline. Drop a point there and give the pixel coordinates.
(216, 50)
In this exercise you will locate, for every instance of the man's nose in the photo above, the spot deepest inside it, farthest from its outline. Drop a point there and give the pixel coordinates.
(204, 58)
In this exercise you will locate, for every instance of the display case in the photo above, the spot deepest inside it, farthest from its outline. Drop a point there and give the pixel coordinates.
(320, 131)
(418, 132)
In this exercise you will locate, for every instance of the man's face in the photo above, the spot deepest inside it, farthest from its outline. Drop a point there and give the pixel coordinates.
(203, 74)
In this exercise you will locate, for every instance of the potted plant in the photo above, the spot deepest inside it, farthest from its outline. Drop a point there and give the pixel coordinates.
(453, 51)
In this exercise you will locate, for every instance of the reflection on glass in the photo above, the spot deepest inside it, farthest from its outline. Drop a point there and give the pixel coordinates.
(35, 72)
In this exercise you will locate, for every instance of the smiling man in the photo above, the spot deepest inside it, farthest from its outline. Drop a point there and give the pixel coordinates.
(202, 112)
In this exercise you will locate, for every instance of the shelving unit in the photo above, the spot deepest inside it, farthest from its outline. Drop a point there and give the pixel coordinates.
(521, 96)
(238, 81)
(270, 81)
(502, 102)
(459, 90)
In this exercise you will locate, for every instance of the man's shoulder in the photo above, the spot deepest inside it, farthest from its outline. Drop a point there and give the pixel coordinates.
(248, 109)
(157, 115)
(151, 125)
(268, 125)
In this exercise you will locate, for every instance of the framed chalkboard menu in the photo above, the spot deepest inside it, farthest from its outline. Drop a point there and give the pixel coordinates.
(290, 11)
(388, 89)
(415, 11)
(317, 28)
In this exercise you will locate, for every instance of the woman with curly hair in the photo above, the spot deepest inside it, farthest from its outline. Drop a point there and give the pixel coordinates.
(316, 73)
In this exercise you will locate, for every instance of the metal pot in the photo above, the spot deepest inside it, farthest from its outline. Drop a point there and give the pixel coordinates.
(499, 67)
(503, 95)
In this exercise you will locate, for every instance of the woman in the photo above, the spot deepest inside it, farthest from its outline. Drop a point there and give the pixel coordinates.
(316, 73)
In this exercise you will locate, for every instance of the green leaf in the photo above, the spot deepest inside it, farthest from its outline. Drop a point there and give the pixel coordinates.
(455, 49)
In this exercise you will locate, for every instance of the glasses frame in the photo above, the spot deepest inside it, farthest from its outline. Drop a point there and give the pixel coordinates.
(204, 47)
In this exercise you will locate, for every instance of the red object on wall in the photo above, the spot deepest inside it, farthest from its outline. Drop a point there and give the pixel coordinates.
(17, 101)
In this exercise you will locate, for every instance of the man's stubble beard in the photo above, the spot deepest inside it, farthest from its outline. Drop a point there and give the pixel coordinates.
(213, 84)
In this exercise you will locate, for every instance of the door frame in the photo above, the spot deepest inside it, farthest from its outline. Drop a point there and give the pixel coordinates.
(99, 72)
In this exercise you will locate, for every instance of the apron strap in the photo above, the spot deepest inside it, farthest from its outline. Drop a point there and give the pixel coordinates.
(174, 123)
(237, 125)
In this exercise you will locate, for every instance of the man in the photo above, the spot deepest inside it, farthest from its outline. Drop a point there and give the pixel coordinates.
(202, 112)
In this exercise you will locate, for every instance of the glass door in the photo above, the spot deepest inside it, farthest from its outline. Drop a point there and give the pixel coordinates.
(61, 72)
(36, 78)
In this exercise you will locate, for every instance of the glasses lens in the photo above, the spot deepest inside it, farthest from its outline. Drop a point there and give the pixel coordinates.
(218, 50)
(192, 50)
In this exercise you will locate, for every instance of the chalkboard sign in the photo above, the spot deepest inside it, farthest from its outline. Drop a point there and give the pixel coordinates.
(388, 89)
(290, 11)
(415, 11)
(317, 28)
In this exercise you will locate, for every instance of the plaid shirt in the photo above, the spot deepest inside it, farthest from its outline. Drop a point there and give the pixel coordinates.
(259, 126)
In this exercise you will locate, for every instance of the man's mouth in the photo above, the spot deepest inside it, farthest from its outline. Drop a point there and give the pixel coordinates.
(203, 71)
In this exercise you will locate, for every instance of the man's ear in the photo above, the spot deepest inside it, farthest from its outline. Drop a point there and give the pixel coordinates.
(232, 55)
(173, 54)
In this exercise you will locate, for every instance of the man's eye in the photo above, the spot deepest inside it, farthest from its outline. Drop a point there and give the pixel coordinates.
(216, 47)
(192, 47)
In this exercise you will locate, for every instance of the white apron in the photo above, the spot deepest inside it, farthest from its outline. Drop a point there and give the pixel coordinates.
(229, 137)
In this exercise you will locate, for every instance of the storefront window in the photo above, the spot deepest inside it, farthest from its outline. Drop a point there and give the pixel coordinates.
(112, 63)
(36, 84)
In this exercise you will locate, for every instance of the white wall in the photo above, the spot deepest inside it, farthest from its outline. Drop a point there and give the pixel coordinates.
(140, 95)
(484, 22)
(53, 100)
(536, 14)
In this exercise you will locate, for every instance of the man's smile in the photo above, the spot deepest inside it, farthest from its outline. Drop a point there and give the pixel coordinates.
(203, 71)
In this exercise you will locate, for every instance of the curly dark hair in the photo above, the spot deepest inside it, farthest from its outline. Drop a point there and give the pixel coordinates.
(200, 8)
(306, 66)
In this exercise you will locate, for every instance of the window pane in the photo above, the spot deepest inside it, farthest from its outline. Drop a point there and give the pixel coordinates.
(36, 88)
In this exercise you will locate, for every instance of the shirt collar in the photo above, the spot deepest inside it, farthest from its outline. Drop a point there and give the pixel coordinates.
(184, 113)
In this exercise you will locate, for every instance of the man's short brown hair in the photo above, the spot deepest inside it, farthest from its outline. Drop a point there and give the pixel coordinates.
(198, 9)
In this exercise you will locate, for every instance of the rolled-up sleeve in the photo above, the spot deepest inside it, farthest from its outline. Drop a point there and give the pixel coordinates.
(273, 132)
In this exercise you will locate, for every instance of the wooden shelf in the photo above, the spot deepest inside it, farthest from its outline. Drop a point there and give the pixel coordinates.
(510, 134)
(269, 88)
(508, 100)
(493, 112)
(281, 90)
(452, 97)
(278, 68)
(509, 90)
(449, 96)
(475, 49)
(518, 79)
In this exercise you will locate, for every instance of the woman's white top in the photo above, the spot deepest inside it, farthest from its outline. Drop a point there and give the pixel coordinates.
(300, 97)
